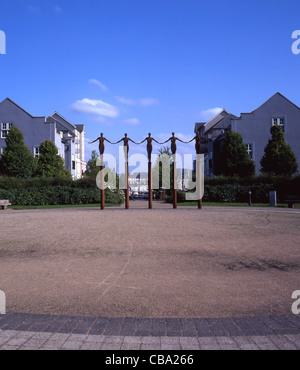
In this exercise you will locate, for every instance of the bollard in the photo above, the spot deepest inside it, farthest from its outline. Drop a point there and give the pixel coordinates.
(250, 200)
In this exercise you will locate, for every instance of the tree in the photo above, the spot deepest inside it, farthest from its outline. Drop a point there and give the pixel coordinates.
(50, 163)
(164, 160)
(278, 158)
(17, 160)
(91, 168)
(234, 159)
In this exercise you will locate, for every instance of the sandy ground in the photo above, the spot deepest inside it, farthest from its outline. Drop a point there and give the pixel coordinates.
(215, 262)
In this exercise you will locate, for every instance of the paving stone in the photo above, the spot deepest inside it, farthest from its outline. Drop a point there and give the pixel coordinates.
(150, 340)
(159, 327)
(17, 341)
(171, 347)
(143, 327)
(246, 343)
(227, 343)
(110, 347)
(208, 343)
(173, 327)
(150, 347)
(6, 347)
(114, 326)
(72, 344)
(99, 326)
(95, 338)
(230, 327)
(35, 343)
(170, 340)
(203, 327)
(130, 346)
(264, 343)
(128, 327)
(91, 346)
(85, 325)
(282, 343)
(112, 339)
(294, 338)
(188, 327)
(216, 327)
(132, 340)
(53, 344)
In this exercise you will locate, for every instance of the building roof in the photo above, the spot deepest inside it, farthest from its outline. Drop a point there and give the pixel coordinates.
(11, 101)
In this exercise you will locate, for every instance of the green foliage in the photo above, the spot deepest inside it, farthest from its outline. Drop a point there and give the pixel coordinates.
(278, 159)
(50, 163)
(16, 159)
(54, 191)
(234, 159)
(91, 168)
(235, 190)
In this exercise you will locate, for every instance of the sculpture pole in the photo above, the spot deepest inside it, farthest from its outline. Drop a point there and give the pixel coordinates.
(198, 174)
(150, 184)
(101, 140)
(127, 185)
(102, 167)
(174, 183)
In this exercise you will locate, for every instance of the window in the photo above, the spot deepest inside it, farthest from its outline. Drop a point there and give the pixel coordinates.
(278, 121)
(249, 149)
(5, 127)
(36, 151)
(73, 165)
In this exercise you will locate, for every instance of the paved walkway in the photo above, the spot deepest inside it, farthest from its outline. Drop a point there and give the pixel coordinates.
(51, 332)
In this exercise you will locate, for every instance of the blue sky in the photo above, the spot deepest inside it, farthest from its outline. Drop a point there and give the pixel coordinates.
(140, 66)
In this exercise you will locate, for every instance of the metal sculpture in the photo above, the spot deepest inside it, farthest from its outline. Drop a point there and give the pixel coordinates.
(173, 140)
(149, 140)
(126, 140)
(198, 139)
(149, 151)
(101, 139)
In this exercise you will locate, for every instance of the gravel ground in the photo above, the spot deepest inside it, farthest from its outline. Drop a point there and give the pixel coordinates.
(215, 262)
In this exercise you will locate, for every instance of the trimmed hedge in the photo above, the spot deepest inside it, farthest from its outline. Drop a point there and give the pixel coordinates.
(234, 190)
(54, 191)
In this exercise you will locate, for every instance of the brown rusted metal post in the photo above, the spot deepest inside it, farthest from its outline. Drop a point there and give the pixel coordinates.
(174, 184)
(150, 184)
(127, 186)
(198, 176)
(102, 167)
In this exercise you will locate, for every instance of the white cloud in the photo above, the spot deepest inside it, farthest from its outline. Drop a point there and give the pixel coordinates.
(132, 121)
(144, 102)
(93, 81)
(98, 108)
(209, 113)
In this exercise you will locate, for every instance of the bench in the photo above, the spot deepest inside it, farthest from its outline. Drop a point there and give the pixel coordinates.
(4, 204)
(291, 202)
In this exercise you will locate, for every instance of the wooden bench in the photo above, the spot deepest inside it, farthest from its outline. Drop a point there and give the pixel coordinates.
(291, 202)
(4, 204)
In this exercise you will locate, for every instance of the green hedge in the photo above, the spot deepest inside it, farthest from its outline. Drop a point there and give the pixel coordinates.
(54, 191)
(233, 190)
(49, 191)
